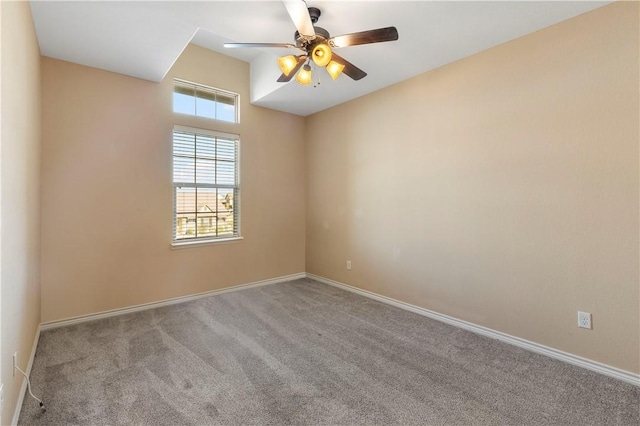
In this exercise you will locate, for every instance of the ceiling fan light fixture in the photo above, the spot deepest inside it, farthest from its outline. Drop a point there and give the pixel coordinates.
(287, 64)
(334, 69)
(304, 75)
(321, 55)
(316, 44)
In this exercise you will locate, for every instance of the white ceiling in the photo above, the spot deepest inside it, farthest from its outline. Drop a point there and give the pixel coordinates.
(143, 39)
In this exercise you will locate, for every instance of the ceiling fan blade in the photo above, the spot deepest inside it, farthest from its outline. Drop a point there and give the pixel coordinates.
(285, 78)
(299, 14)
(349, 69)
(365, 37)
(238, 45)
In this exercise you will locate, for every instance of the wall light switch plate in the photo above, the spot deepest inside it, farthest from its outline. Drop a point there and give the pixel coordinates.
(584, 320)
(1, 396)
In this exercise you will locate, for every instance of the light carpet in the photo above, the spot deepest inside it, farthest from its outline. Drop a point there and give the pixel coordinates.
(302, 352)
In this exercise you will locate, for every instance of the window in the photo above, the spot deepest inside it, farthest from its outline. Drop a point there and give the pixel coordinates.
(202, 101)
(205, 185)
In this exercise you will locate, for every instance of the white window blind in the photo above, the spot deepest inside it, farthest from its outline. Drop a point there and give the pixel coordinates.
(204, 101)
(205, 185)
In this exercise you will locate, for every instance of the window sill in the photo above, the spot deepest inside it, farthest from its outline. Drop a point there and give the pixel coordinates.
(189, 244)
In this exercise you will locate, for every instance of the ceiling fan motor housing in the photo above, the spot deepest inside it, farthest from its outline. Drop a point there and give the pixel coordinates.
(302, 42)
(322, 35)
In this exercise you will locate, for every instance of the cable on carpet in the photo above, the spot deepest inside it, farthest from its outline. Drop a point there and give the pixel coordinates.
(42, 407)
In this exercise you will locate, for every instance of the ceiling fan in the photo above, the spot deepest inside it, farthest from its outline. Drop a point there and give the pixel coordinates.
(316, 44)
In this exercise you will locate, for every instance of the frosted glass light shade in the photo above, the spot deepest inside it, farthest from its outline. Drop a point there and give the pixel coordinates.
(304, 76)
(334, 69)
(287, 64)
(321, 55)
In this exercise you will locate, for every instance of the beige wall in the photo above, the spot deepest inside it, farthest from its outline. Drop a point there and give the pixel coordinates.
(20, 166)
(501, 189)
(107, 191)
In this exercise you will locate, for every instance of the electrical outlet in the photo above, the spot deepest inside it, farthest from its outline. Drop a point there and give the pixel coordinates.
(584, 320)
(1, 396)
(15, 363)
(348, 264)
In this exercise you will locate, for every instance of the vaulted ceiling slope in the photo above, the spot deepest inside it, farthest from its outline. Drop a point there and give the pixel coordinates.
(143, 39)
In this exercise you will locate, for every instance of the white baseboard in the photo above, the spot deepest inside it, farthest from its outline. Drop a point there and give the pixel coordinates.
(23, 388)
(136, 308)
(598, 367)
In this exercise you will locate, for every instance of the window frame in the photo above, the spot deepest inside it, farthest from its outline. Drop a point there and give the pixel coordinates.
(234, 95)
(197, 241)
